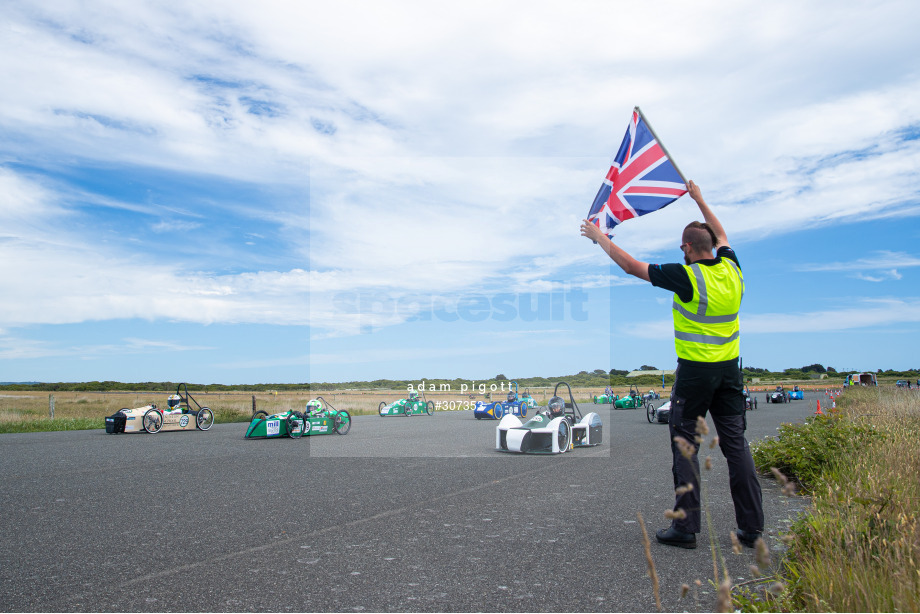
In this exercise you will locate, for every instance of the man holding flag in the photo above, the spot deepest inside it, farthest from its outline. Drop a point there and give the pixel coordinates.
(707, 299)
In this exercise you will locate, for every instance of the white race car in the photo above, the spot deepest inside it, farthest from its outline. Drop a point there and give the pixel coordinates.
(178, 416)
(554, 431)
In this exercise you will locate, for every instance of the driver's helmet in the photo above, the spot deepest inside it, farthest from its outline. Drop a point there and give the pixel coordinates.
(512, 397)
(174, 401)
(314, 405)
(413, 396)
(556, 407)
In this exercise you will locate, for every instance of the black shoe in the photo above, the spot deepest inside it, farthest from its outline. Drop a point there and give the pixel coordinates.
(673, 537)
(747, 537)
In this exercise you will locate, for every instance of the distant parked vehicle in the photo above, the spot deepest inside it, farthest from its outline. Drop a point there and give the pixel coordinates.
(861, 379)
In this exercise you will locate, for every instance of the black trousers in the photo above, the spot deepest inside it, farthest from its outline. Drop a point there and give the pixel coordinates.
(716, 388)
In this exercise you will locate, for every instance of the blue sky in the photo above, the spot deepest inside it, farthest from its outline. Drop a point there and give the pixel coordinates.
(237, 192)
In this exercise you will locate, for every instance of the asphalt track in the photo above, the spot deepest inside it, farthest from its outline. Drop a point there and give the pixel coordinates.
(400, 514)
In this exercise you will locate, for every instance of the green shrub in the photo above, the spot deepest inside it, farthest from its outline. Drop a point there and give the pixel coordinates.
(805, 452)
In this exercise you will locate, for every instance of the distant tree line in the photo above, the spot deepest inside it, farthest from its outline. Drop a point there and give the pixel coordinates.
(596, 378)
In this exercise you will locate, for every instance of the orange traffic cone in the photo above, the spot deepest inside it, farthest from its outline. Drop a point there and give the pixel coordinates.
(819, 412)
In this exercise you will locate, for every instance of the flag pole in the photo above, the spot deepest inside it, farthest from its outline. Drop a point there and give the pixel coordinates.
(661, 144)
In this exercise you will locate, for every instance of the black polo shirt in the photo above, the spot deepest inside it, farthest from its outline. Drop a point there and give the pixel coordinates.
(674, 276)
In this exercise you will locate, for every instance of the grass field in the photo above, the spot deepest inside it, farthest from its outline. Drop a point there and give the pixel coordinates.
(858, 549)
(29, 411)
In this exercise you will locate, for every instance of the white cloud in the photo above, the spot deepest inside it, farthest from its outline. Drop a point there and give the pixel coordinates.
(877, 261)
(882, 276)
(450, 148)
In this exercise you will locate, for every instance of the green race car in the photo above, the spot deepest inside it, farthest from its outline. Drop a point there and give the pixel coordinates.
(633, 400)
(319, 418)
(603, 399)
(406, 407)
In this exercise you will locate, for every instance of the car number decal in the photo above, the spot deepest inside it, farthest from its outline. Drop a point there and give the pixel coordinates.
(183, 421)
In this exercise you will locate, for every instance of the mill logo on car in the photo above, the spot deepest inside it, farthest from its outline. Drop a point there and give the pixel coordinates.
(273, 427)
(183, 421)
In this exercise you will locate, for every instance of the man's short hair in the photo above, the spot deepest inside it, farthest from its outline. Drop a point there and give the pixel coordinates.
(700, 235)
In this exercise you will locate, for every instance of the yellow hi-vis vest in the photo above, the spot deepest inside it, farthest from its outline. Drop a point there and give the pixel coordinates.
(706, 329)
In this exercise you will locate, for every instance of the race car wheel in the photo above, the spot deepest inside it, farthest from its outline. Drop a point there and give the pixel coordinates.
(205, 418)
(380, 408)
(564, 436)
(650, 412)
(408, 411)
(341, 424)
(259, 415)
(292, 421)
(153, 421)
(429, 407)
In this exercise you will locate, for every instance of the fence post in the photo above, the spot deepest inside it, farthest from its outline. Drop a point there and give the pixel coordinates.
(51, 406)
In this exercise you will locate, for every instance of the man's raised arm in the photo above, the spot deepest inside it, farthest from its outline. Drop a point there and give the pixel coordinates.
(626, 262)
(708, 215)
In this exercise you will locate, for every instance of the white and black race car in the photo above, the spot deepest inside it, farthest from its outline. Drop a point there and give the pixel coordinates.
(778, 396)
(554, 431)
(658, 414)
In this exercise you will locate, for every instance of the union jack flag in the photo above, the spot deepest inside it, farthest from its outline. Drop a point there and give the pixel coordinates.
(641, 179)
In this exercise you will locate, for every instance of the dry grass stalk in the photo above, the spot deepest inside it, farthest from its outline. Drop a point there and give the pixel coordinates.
(736, 545)
(761, 553)
(652, 572)
(677, 514)
(682, 490)
(724, 601)
(780, 477)
(685, 447)
(701, 427)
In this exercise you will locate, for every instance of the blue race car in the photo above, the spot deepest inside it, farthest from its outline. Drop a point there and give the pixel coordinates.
(796, 394)
(514, 405)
